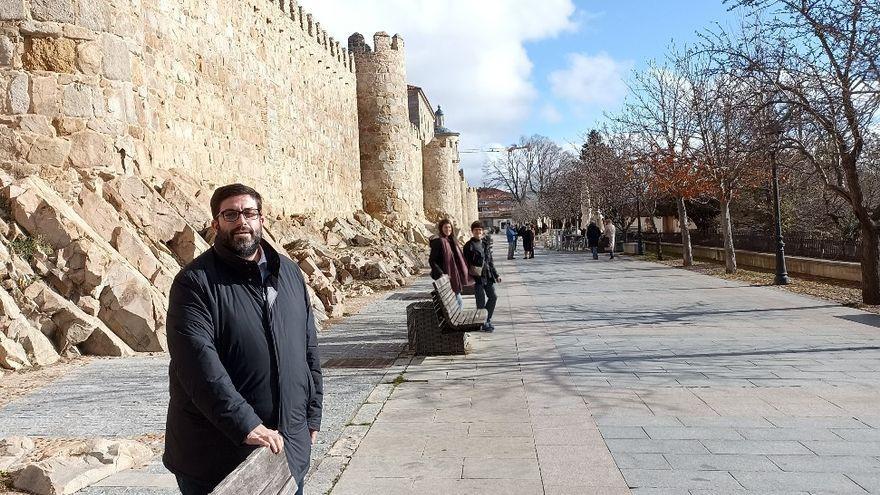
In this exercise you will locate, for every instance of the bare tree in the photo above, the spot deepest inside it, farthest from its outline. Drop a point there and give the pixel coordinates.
(822, 58)
(726, 147)
(657, 109)
(527, 169)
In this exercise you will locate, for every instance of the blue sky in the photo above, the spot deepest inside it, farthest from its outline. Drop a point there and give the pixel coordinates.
(506, 68)
(629, 33)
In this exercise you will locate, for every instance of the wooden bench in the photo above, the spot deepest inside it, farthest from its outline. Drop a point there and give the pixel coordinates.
(262, 473)
(453, 319)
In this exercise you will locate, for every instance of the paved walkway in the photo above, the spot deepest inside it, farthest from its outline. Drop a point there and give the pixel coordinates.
(129, 397)
(630, 377)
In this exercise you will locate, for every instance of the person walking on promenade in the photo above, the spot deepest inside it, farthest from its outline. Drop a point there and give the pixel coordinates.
(478, 255)
(245, 371)
(528, 236)
(511, 240)
(610, 233)
(593, 234)
(446, 259)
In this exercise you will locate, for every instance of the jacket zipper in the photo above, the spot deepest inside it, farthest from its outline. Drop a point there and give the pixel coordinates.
(267, 321)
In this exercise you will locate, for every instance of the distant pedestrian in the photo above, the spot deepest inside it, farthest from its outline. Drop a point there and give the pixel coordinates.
(529, 241)
(610, 233)
(478, 255)
(511, 240)
(593, 235)
(446, 259)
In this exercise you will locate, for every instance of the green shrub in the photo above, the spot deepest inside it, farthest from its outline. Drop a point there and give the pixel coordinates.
(27, 247)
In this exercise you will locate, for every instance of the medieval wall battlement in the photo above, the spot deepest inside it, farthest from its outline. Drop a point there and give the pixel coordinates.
(311, 27)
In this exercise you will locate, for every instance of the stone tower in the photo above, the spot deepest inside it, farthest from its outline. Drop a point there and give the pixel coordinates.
(391, 155)
(440, 158)
(464, 210)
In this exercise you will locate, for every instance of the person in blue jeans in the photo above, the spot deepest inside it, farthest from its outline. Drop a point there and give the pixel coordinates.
(593, 235)
(478, 255)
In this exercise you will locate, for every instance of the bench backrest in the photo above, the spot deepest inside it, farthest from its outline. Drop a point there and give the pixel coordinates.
(446, 297)
(262, 473)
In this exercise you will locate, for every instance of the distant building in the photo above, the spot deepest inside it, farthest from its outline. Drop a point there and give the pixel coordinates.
(495, 207)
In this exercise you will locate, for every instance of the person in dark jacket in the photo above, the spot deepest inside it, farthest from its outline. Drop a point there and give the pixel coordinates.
(478, 255)
(593, 235)
(528, 236)
(446, 258)
(511, 240)
(245, 371)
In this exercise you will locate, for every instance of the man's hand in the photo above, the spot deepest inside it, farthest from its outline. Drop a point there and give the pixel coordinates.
(314, 435)
(498, 279)
(264, 437)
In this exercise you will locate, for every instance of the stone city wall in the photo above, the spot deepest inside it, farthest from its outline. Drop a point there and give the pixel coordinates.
(224, 91)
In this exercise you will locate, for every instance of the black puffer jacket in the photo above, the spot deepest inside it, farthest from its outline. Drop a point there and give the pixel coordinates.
(243, 352)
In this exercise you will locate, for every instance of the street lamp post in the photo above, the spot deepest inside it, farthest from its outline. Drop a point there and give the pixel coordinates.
(640, 247)
(781, 272)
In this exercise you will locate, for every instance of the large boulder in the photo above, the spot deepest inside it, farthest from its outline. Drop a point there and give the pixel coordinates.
(135, 250)
(13, 450)
(102, 217)
(69, 473)
(154, 216)
(130, 306)
(12, 354)
(37, 345)
(73, 327)
(135, 312)
(191, 202)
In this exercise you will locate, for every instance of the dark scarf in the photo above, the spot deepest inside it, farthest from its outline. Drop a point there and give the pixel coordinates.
(456, 267)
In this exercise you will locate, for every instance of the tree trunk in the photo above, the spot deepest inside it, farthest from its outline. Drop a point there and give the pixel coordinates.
(870, 264)
(687, 253)
(727, 236)
(659, 238)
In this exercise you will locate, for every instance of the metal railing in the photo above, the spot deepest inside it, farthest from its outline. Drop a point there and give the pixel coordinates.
(795, 244)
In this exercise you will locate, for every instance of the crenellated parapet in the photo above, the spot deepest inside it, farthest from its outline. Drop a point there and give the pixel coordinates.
(311, 28)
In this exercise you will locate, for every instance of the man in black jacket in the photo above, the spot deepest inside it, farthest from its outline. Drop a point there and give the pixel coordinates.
(593, 234)
(245, 371)
(478, 255)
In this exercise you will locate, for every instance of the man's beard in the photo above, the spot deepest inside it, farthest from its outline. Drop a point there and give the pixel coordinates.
(243, 247)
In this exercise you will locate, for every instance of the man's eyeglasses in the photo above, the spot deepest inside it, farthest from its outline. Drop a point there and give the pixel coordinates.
(232, 215)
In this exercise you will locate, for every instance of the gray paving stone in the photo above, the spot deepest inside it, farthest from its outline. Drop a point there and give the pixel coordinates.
(725, 422)
(720, 481)
(795, 434)
(692, 433)
(721, 462)
(641, 461)
(843, 447)
(826, 464)
(648, 446)
(812, 482)
(623, 432)
(757, 447)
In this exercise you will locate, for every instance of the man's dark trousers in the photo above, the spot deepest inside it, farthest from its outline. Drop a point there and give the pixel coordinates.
(486, 297)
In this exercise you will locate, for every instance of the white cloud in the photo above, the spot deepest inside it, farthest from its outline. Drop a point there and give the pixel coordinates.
(591, 79)
(468, 56)
(550, 114)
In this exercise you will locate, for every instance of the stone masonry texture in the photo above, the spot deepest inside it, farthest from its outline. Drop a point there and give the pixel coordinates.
(252, 91)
